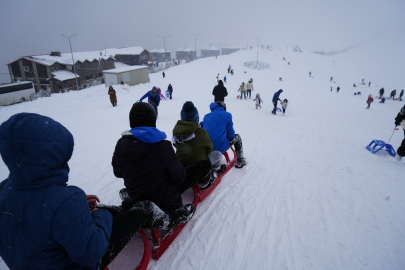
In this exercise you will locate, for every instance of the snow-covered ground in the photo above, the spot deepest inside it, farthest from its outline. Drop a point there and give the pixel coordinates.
(311, 196)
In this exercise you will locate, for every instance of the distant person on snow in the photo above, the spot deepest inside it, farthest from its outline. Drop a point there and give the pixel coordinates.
(337, 89)
(362, 81)
(393, 94)
(65, 227)
(331, 88)
(288, 62)
(284, 105)
(153, 99)
(369, 83)
(310, 74)
(219, 92)
(218, 78)
(331, 78)
(354, 85)
(242, 90)
(147, 163)
(280, 79)
(283, 58)
(400, 119)
(276, 98)
(219, 126)
(401, 94)
(194, 148)
(382, 100)
(113, 97)
(231, 71)
(259, 101)
(224, 78)
(164, 75)
(381, 92)
(249, 87)
(369, 100)
(170, 89)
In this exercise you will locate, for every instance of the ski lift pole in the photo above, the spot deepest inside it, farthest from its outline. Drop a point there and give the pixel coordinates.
(392, 135)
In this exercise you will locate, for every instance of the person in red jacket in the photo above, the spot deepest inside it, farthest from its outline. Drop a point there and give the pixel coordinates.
(369, 100)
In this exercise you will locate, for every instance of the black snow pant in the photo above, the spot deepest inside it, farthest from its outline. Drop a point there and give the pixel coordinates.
(127, 222)
(381, 95)
(237, 142)
(195, 173)
(401, 149)
(283, 110)
(275, 108)
(171, 95)
(249, 93)
(154, 105)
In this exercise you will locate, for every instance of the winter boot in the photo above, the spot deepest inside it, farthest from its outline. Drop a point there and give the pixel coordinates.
(208, 179)
(180, 215)
(221, 169)
(124, 195)
(240, 163)
(398, 157)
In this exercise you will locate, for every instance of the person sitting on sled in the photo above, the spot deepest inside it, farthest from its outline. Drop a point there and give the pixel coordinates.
(194, 148)
(47, 224)
(147, 162)
(219, 126)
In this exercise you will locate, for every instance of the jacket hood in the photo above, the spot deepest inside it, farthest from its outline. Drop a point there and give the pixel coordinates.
(36, 150)
(215, 107)
(280, 91)
(220, 83)
(148, 134)
(184, 129)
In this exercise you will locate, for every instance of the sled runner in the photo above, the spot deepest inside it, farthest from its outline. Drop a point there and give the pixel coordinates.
(146, 253)
(381, 145)
(161, 243)
(279, 110)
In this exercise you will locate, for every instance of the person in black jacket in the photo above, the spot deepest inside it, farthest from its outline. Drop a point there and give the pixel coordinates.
(381, 92)
(170, 88)
(401, 94)
(149, 165)
(219, 92)
(398, 120)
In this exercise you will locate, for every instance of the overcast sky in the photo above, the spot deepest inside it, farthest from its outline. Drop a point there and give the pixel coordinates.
(35, 26)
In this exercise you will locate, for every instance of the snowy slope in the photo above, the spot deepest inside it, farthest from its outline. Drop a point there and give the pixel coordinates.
(311, 197)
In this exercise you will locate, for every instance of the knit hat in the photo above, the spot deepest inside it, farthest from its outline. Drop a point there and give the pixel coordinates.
(154, 88)
(142, 114)
(189, 112)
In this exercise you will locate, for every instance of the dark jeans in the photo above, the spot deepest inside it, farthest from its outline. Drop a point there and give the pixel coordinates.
(170, 95)
(154, 105)
(237, 142)
(249, 93)
(244, 94)
(401, 149)
(275, 107)
(126, 223)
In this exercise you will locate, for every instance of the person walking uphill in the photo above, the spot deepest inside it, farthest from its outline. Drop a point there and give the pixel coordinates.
(59, 226)
(219, 92)
(113, 97)
(250, 88)
(242, 90)
(400, 119)
(393, 94)
(219, 127)
(381, 92)
(170, 89)
(401, 94)
(163, 74)
(153, 99)
(276, 98)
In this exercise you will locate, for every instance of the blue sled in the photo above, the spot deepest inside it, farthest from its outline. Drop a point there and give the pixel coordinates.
(279, 110)
(381, 145)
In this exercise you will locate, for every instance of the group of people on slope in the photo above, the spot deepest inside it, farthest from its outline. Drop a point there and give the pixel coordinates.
(246, 89)
(49, 225)
(230, 70)
(370, 98)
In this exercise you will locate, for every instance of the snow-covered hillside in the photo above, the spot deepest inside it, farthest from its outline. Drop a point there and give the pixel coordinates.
(311, 196)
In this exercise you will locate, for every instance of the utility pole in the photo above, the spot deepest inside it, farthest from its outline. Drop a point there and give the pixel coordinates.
(225, 40)
(73, 61)
(195, 36)
(257, 61)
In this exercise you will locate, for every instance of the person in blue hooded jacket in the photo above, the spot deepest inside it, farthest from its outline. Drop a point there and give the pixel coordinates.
(276, 98)
(46, 224)
(219, 126)
(153, 98)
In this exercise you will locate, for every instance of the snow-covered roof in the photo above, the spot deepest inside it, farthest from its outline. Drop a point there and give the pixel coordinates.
(185, 49)
(66, 58)
(157, 50)
(231, 47)
(210, 48)
(63, 75)
(124, 69)
(120, 65)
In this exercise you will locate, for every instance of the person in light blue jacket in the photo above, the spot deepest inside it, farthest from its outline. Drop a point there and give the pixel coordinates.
(219, 127)
(46, 224)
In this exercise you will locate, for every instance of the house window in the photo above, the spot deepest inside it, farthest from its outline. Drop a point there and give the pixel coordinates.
(26, 68)
(99, 75)
(89, 77)
(68, 67)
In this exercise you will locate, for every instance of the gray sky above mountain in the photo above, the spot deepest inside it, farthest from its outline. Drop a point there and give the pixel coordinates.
(35, 27)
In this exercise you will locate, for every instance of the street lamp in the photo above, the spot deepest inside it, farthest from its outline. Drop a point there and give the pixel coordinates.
(195, 36)
(73, 61)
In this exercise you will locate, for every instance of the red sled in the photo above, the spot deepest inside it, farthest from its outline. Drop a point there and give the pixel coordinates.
(238, 97)
(161, 243)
